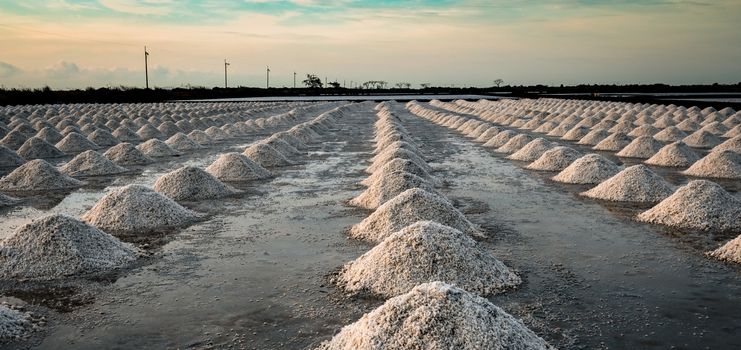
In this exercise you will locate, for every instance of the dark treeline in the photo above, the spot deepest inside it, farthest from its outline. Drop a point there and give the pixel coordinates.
(125, 94)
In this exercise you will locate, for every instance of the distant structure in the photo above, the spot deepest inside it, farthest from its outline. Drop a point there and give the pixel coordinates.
(267, 77)
(294, 80)
(146, 68)
(226, 64)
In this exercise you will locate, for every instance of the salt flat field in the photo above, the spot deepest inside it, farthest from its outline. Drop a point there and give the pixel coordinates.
(475, 223)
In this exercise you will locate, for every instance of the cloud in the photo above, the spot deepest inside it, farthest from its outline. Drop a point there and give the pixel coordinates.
(8, 70)
(156, 8)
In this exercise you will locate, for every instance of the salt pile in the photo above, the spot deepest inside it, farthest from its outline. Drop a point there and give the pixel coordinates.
(103, 138)
(192, 184)
(127, 154)
(49, 134)
(732, 144)
(37, 175)
(35, 148)
(75, 143)
(702, 139)
(636, 184)
(488, 134)
(407, 208)
(641, 147)
(125, 134)
(14, 324)
(400, 165)
(237, 167)
(676, 154)
(700, 205)
(57, 246)
(391, 153)
(137, 209)
(555, 159)
(9, 158)
(614, 142)
(515, 143)
(719, 164)
(500, 139)
(594, 137)
(426, 251)
(281, 146)
(576, 133)
(266, 156)
(148, 132)
(532, 151)
(436, 316)
(730, 251)
(13, 140)
(91, 163)
(156, 148)
(181, 142)
(589, 169)
(387, 187)
(670, 134)
(200, 137)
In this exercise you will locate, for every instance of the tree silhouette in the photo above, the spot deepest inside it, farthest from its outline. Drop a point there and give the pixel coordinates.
(312, 81)
(498, 82)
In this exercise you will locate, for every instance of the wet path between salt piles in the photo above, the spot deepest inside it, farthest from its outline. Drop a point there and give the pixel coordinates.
(593, 277)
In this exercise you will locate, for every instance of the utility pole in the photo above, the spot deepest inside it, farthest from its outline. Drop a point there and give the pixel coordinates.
(294, 80)
(146, 68)
(267, 83)
(226, 64)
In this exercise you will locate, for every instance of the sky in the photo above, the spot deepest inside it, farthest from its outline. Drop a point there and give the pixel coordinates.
(68, 44)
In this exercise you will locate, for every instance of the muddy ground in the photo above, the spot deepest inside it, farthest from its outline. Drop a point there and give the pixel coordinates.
(255, 274)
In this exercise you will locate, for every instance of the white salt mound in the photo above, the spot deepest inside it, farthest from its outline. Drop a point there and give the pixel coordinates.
(589, 169)
(266, 156)
(426, 251)
(37, 175)
(731, 251)
(91, 163)
(555, 159)
(702, 139)
(14, 324)
(35, 148)
(392, 153)
(641, 147)
(676, 154)
(614, 142)
(636, 184)
(59, 245)
(237, 167)
(400, 164)
(732, 144)
(722, 164)
(75, 143)
(436, 316)
(9, 158)
(700, 205)
(387, 187)
(156, 148)
(515, 143)
(190, 183)
(127, 154)
(594, 137)
(137, 209)
(532, 151)
(407, 208)
(181, 142)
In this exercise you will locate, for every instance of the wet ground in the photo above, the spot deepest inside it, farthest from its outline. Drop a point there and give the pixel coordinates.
(255, 274)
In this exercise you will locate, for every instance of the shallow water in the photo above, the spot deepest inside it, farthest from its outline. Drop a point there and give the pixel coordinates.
(255, 274)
